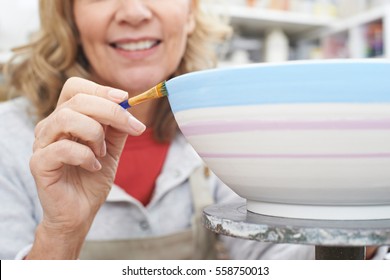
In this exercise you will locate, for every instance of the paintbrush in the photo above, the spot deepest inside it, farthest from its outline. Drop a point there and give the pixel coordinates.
(155, 92)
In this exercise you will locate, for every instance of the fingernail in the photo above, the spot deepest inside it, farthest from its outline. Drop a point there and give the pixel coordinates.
(117, 95)
(103, 149)
(136, 125)
(97, 165)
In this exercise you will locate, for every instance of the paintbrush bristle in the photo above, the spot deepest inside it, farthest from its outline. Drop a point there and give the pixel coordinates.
(162, 89)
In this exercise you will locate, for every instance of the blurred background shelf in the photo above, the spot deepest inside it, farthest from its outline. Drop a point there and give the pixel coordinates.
(361, 19)
(365, 35)
(324, 29)
(254, 20)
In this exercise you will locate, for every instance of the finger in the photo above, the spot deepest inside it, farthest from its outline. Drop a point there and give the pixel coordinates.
(58, 154)
(38, 127)
(68, 124)
(76, 85)
(105, 112)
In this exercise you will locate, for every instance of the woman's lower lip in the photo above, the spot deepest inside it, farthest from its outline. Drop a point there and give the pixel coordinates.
(137, 55)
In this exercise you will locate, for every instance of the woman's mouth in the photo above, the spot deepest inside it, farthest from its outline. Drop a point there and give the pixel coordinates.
(142, 45)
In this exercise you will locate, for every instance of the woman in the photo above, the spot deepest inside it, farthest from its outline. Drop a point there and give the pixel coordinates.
(84, 142)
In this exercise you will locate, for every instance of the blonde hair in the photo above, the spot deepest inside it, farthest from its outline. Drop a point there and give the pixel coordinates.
(39, 70)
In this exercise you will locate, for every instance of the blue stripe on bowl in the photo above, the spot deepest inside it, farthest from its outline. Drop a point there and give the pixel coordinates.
(337, 81)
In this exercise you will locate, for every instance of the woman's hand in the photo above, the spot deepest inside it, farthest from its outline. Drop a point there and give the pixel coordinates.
(76, 154)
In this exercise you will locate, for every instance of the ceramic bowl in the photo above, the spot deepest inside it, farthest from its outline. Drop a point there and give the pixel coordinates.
(304, 139)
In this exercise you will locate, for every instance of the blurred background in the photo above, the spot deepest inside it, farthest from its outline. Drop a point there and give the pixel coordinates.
(18, 22)
(280, 30)
(264, 30)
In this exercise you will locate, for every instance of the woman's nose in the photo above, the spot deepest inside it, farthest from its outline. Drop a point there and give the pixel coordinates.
(133, 12)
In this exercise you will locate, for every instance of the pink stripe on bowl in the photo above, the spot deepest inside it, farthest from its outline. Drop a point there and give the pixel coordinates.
(213, 127)
(296, 156)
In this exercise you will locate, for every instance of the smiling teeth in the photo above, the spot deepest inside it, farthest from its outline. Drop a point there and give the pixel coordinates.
(139, 46)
